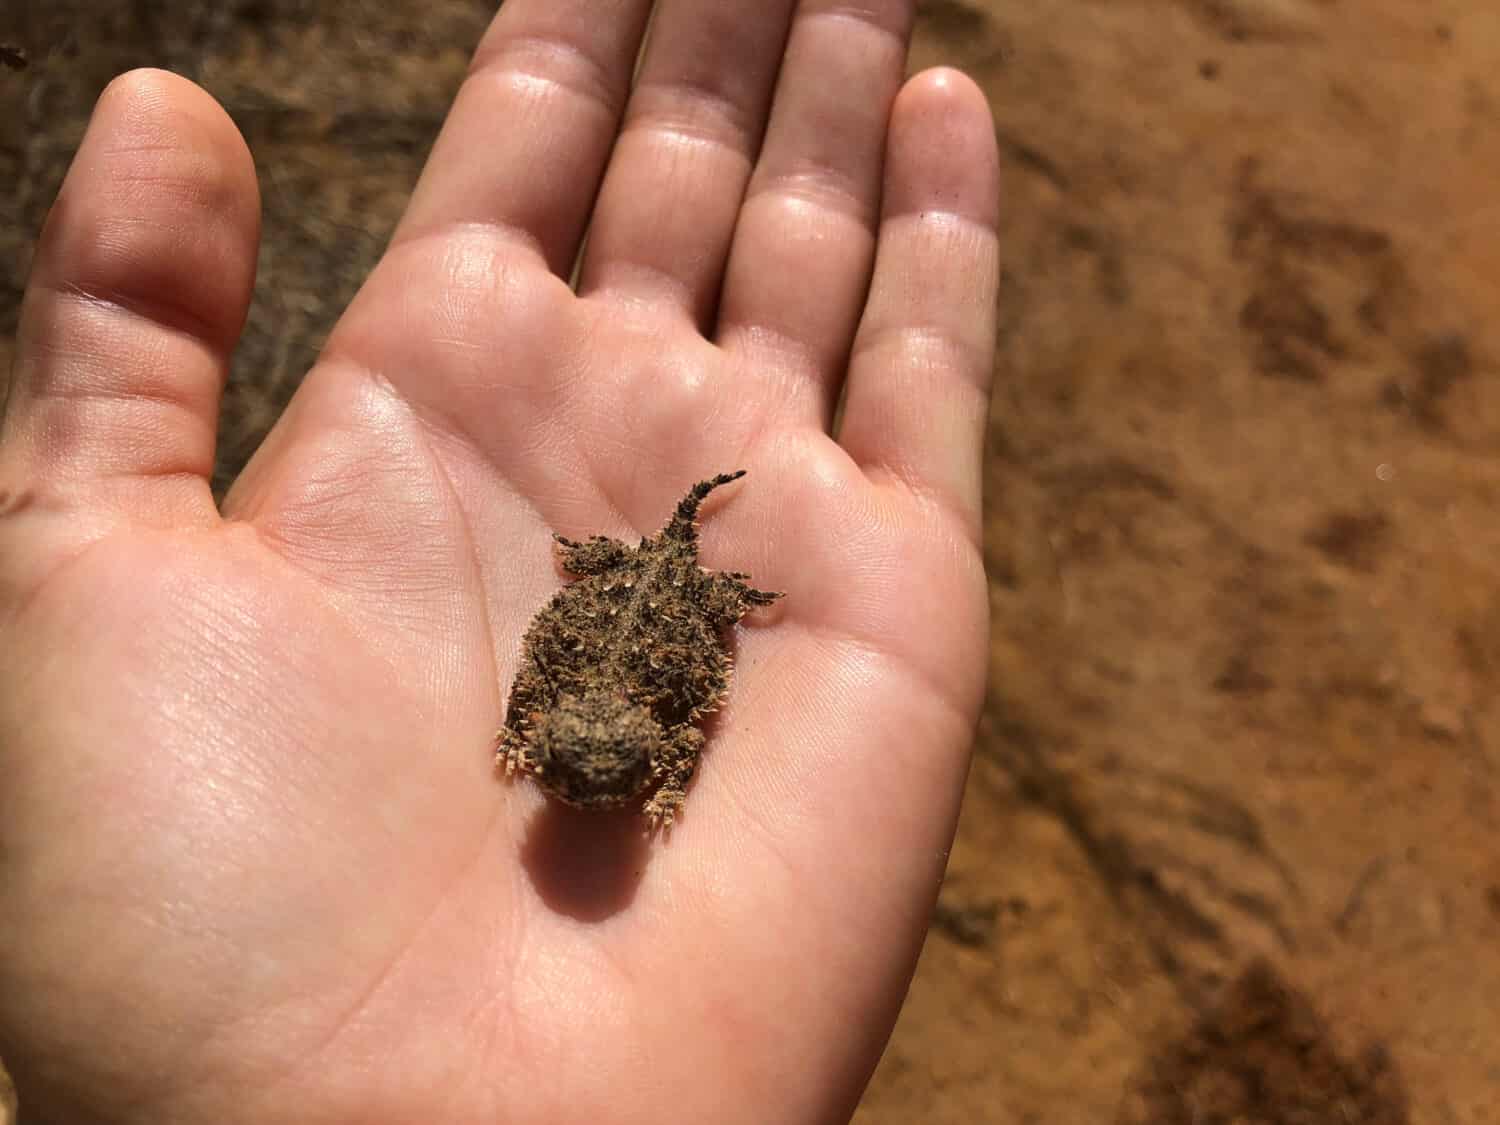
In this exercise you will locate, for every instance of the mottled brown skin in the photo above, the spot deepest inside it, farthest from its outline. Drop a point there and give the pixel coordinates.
(619, 666)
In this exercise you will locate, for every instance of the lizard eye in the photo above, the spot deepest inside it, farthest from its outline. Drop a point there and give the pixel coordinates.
(596, 749)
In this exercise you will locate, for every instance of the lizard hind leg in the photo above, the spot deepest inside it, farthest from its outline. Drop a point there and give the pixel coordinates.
(591, 556)
(731, 596)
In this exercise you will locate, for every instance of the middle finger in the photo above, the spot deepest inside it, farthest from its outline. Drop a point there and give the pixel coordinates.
(666, 212)
(797, 274)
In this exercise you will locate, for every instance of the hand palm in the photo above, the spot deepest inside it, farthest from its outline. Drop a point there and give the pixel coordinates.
(272, 791)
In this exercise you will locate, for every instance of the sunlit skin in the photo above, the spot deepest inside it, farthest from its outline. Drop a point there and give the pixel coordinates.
(256, 862)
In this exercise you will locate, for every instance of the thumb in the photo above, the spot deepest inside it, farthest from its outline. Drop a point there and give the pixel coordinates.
(137, 297)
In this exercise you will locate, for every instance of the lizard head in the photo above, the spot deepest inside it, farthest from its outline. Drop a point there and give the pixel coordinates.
(595, 749)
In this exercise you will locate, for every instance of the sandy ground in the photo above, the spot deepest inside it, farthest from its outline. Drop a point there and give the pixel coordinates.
(1242, 557)
(1231, 849)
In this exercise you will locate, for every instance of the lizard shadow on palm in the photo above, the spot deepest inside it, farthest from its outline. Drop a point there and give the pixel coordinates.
(586, 865)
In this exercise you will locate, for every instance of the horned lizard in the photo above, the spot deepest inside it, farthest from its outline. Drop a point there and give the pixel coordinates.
(618, 667)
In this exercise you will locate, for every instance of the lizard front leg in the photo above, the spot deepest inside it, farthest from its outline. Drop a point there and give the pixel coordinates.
(673, 767)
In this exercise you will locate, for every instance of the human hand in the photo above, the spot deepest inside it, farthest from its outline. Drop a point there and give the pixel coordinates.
(255, 862)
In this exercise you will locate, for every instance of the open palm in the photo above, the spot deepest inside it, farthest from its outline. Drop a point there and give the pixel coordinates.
(255, 861)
